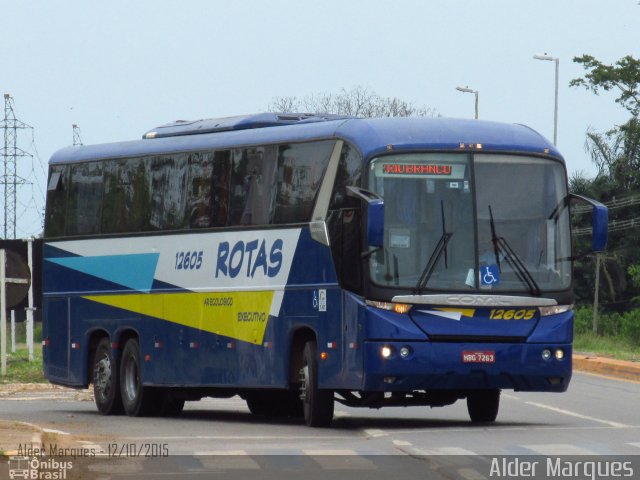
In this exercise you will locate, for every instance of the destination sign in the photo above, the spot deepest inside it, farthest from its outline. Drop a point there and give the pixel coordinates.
(416, 169)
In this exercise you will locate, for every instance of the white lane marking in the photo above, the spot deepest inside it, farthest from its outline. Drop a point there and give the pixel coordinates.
(634, 444)
(230, 460)
(340, 459)
(375, 432)
(48, 397)
(510, 397)
(443, 451)
(578, 415)
(340, 414)
(198, 453)
(327, 451)
(559, 449)
(401, 443)
(236, 437)
(57, 432)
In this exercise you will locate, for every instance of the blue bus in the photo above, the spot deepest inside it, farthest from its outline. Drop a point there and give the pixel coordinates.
(299, 260)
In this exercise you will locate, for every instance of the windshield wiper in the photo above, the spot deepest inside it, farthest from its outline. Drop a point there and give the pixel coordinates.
(440, 248)
(500, 245)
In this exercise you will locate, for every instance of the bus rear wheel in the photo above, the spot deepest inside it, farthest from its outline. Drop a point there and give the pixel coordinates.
(317, 403)
(106, 389)
(136, 399)
(483, 405)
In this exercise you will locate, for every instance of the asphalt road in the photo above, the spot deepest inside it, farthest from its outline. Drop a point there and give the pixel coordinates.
(598, 416)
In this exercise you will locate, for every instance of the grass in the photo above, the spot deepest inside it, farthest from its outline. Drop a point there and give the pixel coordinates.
(19, 368)
(615, 347)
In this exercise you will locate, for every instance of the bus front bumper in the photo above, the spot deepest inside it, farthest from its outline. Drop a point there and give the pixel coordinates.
(398, 366)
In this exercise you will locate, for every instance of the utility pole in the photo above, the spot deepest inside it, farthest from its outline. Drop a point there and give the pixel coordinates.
(10, 153)
(595, 295)
(77, 141)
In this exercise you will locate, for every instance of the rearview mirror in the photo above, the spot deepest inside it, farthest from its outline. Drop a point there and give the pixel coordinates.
(375, 215)
(599, 222)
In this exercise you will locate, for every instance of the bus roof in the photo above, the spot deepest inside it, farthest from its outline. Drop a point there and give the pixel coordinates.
(371, 136)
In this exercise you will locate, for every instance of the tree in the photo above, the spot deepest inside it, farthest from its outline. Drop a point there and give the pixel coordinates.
(359, 101)
(624, 76)
(616, 153)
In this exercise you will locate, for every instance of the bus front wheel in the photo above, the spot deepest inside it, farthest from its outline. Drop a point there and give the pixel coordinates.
(317, 404)
(137, 400)
(106, 390)
(483, 405)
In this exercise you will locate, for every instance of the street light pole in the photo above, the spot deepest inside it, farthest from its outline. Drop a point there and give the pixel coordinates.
(470, 90)
(555, 108)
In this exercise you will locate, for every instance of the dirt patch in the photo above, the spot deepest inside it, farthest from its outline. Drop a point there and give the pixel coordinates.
(17, 390)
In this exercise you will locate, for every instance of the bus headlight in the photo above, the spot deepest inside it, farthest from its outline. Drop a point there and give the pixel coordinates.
(554, 310)
(559, 354)
(546, 354)
(386, 351)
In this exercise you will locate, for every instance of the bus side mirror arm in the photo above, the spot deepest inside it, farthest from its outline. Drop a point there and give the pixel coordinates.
(599, 223)
(375, 216)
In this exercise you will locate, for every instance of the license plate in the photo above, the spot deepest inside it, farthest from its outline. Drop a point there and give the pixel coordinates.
(474, 356)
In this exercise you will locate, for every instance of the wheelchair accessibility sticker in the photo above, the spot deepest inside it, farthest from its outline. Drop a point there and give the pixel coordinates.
(489, 275)
(320, 300)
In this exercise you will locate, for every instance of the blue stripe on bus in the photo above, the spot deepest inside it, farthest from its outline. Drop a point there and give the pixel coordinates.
(134, 271)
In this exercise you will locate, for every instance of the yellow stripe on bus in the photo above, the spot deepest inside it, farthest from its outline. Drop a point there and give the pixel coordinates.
(239, 315)
(466, 312)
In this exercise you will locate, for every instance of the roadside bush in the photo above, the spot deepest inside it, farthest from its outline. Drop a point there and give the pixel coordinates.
(582, 320)
(609, 325)
(630, 325)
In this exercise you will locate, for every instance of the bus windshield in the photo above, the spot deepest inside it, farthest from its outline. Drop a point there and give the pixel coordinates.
(481, 223)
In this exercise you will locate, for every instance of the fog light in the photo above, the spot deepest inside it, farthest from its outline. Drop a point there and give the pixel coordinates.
(386, 352)
(559, 354)
(546, 354)
(404, 352)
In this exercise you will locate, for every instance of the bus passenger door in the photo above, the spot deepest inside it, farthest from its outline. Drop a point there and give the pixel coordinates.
(56, 339)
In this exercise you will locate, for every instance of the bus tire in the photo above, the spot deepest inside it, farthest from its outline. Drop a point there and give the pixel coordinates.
(317, 403)
(106, 388)
(483, 405)
(136, 400)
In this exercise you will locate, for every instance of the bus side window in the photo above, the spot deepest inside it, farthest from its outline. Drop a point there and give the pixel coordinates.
(300, 171)
(199, 189)
(208, 189)
(127, 196)
(168, 200)
(221, 196)
(253, 174)
(84, 205)
(57, 190)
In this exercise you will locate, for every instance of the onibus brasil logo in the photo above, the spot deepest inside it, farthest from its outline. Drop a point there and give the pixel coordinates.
(35, 468)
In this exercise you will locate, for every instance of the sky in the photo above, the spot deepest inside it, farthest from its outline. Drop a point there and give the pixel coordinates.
(119, 68)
